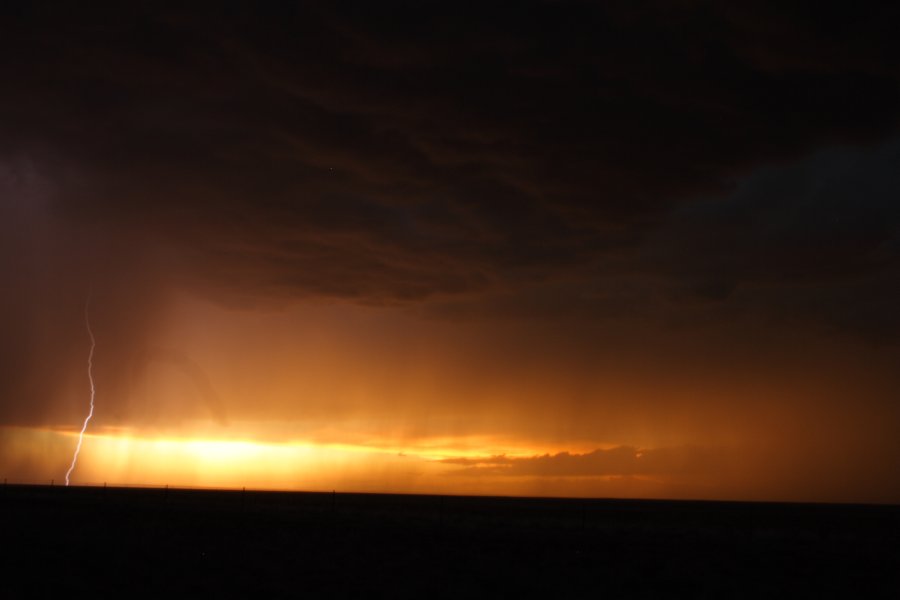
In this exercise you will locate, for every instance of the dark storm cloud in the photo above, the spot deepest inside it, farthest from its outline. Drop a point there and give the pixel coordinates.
(817, 240)
(543, 160)
(385, 155)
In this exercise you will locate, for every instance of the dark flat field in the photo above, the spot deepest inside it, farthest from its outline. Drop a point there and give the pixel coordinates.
(125, 541)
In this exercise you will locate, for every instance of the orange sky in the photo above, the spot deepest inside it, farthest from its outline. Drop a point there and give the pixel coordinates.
(332, 396)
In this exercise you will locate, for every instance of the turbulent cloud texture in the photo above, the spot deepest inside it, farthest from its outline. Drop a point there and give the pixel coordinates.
(393, 156)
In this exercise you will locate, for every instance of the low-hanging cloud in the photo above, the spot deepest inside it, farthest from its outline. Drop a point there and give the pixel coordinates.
(620, 461)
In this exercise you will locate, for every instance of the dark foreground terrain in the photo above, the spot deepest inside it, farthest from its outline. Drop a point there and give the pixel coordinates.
(125, 542)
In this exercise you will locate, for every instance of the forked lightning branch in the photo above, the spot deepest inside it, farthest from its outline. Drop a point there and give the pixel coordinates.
(90, 370)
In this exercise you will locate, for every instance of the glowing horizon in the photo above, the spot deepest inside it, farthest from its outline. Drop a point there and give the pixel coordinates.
(455, 467)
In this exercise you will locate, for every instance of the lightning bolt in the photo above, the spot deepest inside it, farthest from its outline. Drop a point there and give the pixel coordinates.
(90, 370)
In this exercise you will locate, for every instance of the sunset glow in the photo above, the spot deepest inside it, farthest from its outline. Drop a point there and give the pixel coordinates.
(121, 458)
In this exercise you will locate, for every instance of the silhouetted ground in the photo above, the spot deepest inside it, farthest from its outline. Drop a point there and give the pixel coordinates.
(118, 542)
